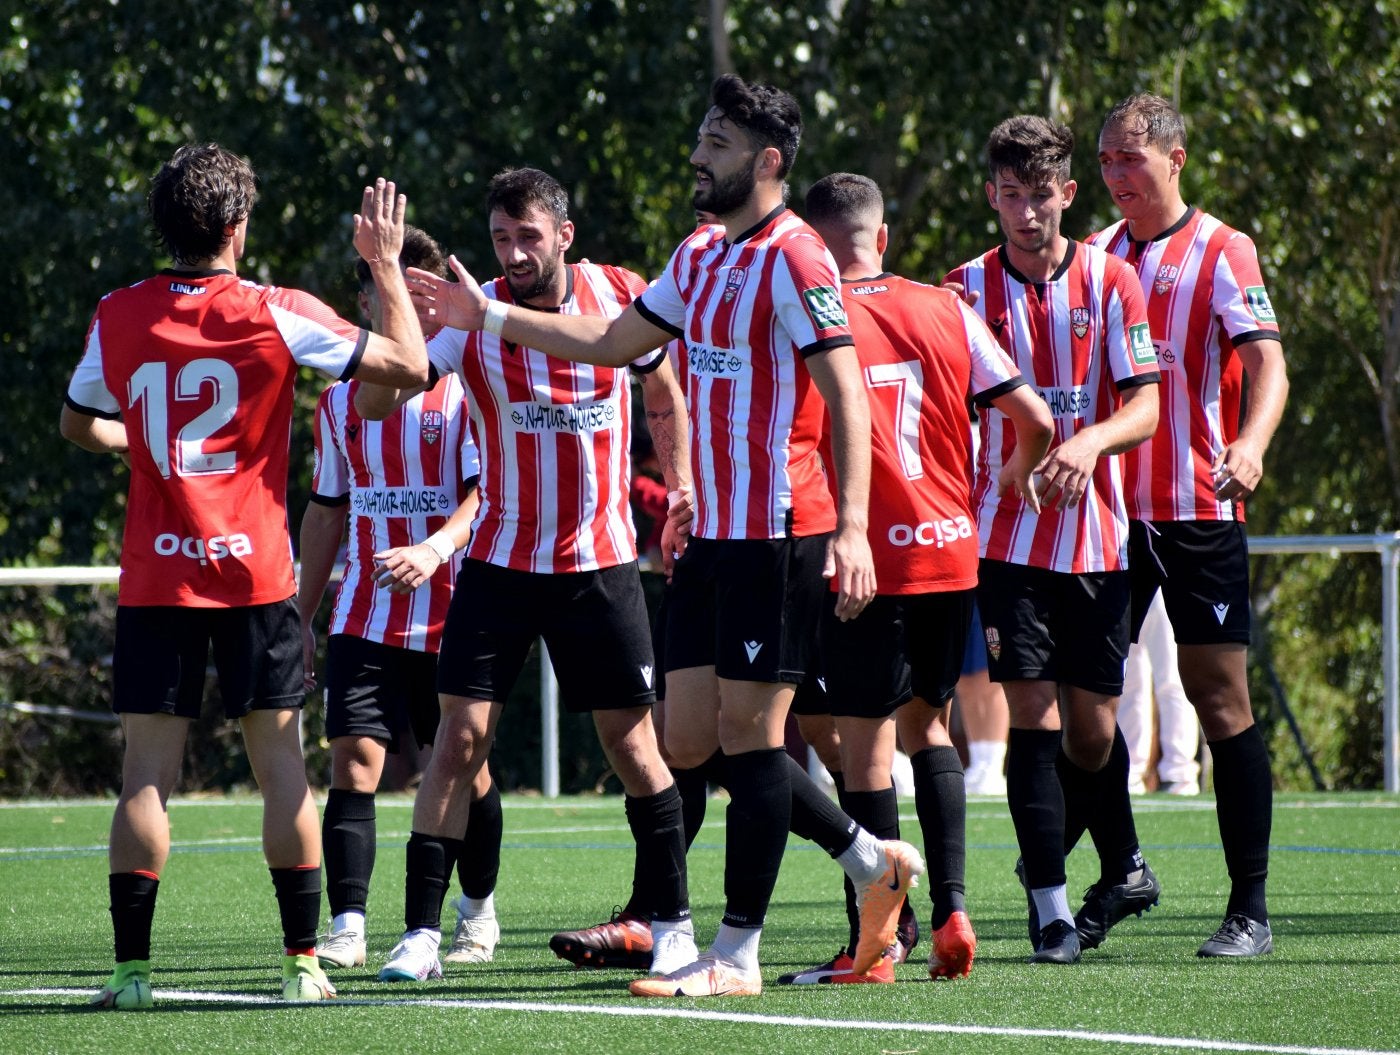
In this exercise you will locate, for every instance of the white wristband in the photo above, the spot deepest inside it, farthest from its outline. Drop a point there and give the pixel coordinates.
(440, 542)
(495, 317)
(673, 499)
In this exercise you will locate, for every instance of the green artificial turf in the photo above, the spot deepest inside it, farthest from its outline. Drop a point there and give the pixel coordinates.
(1333, 984)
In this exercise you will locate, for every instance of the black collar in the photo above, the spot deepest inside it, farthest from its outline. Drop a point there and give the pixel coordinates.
(778, 211)
(1064, 266)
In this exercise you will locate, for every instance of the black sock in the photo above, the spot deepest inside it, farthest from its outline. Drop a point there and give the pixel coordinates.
(479, 862)
(843, 799)
(878, 813)
(814, 816)
(695, 793)
(348, 843)
(940, 796)
(427, 873)
(1244, 807)
(658, 876)
(133, 907)
(1111, 825)
(1100, 801)
(1037, 804)
(299, 903)
(757, 822)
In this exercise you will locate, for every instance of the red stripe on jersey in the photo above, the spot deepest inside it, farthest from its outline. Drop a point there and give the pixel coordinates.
(404, 474)
(1203, 287)
(746, 310)
(1071, 336)
(553, 437)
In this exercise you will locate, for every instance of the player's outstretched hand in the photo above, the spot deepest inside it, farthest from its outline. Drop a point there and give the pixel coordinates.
(460, 304)
(379, 223)
(405, 568)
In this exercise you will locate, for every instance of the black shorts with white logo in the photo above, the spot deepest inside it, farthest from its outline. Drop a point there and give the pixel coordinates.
(594, 624)
(162, 656)
(900, 647)
(1202, 569)
(380, 691)
(747, 607)
(1056, 626)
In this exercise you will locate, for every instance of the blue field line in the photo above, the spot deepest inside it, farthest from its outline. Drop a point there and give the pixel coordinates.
(392, 840)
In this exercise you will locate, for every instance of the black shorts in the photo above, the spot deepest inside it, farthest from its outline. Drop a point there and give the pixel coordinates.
(593, 622)
(1055, 626)
(900, 647)
(1202, 569)
(162, 656)
(747, 607)
(380, 691)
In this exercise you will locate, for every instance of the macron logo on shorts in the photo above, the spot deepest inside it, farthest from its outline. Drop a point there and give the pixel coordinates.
(646, 675)
(1220, 612)
(753, 648)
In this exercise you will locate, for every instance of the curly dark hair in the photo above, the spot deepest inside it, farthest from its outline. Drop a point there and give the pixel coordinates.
(197, 197)
(769, 115)
(420, 250)
(1033, 149)
(516, 191)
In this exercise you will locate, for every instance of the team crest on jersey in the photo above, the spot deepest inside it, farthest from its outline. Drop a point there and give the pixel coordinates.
(824, 305)
(734, 283)
(432, 426)
(1166, 276)
(1079, 321)
(1257, 297)
(993, 641)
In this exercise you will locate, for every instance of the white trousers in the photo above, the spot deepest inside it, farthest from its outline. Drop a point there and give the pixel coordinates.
(1152, 673)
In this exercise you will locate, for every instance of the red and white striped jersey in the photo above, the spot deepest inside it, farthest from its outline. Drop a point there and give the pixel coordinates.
(201, 367)
(401, 479)
(1080, 339)
(749, 311)
(923, 354)
(553, 437)
(1205, 297)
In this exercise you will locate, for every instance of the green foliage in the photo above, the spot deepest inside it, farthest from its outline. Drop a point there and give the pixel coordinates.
(1294, 131)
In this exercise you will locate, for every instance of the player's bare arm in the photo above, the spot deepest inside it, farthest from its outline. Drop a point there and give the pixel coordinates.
(1066, 471)
(398, 357)
(666, 419)
(1030, 417)
(836, 374)
(403, 569)
(578, 338)
(322, 529)
(1238, 469)
(91, 433)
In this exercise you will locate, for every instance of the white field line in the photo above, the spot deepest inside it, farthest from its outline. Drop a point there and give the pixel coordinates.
(1139, 1040)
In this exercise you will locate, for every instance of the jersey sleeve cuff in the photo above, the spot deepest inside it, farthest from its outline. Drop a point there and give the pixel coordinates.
(356, 356)
(1254, 335)
(826, 344)
(330, 500)
(646, 368)
(655, 319)
(988, 396)
(1136, 380)
(92, 412)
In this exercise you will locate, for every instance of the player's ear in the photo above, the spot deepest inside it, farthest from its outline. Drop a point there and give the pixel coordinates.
(566, 235)
(1068, 190)
(991, 194)
(882, 239)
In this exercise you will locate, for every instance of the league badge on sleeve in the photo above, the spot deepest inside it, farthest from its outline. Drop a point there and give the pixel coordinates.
(1257, 299)
(825, 307)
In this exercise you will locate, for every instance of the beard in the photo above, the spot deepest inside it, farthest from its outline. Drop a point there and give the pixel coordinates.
(539, 285)
(724, 197)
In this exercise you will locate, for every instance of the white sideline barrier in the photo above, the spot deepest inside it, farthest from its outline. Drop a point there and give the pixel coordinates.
(1385, 546)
